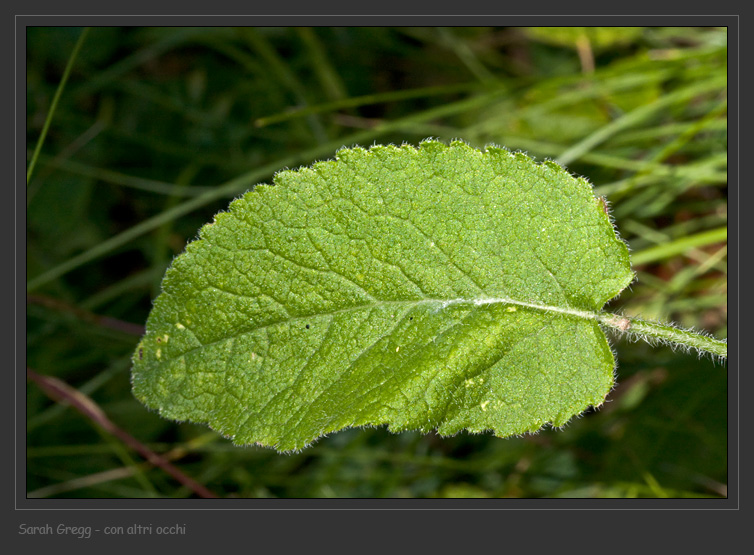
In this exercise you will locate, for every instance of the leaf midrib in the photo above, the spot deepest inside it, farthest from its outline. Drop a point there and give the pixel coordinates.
(444, 303)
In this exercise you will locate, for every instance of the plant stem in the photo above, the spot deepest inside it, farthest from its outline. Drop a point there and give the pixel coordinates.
(665, 333)
(54, 105)
(62, 392)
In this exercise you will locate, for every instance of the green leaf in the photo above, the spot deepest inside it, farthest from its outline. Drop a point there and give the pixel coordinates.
(432, 288)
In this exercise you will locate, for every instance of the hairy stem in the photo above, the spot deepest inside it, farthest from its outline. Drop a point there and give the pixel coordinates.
(665, 333)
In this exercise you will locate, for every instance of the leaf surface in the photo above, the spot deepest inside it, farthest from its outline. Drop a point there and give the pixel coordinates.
(438, 287)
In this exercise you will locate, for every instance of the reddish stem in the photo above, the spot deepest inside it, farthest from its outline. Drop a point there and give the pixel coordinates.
(60, 391)
(85, 315)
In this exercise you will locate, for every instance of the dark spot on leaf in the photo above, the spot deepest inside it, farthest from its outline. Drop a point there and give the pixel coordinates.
(159, 340)
(141, 353)
(307, 326)
(410, 317)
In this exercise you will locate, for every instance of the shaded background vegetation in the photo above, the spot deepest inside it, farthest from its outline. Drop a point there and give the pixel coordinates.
(157, 129)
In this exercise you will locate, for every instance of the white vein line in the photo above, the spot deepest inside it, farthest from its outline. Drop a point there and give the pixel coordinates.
(443, 303)
(586, 315)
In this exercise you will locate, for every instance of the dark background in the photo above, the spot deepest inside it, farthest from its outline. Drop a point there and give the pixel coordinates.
(157, 129)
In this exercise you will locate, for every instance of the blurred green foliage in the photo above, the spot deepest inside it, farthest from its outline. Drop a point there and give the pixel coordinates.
(157, 129)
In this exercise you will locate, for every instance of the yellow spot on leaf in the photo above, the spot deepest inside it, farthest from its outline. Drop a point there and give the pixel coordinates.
(484, 405)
